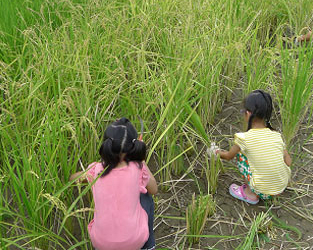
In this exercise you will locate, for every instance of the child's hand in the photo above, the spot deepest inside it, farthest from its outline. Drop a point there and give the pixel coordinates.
(304, 38)
(213, 149)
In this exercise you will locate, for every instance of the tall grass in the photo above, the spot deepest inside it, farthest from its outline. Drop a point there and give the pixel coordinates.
(295, 95)
(69, 68)
(17, 16)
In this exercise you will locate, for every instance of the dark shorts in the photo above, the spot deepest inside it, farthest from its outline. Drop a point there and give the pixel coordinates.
(147, 204)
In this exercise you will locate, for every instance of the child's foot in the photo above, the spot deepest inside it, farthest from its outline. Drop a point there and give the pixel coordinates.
(239, 193)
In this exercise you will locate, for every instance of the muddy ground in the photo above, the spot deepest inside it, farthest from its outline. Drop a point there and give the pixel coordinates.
(293, 228)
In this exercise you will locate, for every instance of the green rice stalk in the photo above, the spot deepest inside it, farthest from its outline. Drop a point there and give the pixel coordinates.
(214, 167)
(197, 213)
(253, 231)
(197, 124)
(296, 91)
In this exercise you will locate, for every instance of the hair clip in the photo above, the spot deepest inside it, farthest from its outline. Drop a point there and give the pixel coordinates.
(134, 140)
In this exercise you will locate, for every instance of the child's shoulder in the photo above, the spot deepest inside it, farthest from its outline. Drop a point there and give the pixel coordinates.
(257, 132)
(94, 168)
(94, 164)
(240, 135)
(267, 134)
(137, 165)
(274, 133)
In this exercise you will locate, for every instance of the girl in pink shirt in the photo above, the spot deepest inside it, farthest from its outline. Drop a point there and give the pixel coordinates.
(122, 185)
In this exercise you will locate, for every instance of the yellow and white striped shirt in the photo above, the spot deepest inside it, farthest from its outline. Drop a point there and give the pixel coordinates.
(264, 149)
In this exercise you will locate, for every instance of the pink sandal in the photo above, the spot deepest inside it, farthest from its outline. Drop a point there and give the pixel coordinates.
(238, 192)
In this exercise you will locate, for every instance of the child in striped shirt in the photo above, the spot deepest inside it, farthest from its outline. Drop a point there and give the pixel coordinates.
(261, 154)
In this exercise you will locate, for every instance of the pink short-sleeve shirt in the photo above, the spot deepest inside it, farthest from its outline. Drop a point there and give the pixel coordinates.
(119, 220)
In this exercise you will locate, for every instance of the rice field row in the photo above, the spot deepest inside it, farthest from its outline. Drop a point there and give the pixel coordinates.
(68, 68)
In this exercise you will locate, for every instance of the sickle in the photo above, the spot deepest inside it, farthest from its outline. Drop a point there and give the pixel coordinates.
(141, 129)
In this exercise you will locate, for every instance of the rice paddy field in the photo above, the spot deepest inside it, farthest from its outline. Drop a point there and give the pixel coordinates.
(68, 68)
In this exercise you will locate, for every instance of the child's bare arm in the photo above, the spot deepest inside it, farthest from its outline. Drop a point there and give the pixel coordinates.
(152, 186)
(287, 158)
(75, 176)
(307, 37)
(228, 155)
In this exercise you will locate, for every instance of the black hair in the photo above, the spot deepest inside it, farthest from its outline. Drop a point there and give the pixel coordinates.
(259, 103)
(121, 137)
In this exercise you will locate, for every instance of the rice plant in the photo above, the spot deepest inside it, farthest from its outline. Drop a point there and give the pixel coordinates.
(68, 68)
(259, 69)
(259, 225)
(196, 215)
(214, 167)
(295, 94)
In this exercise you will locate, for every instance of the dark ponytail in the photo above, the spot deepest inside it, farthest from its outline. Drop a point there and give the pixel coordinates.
(110, 159)
(259, 103)
(120, 138)
(250, 121)
(137, 153)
